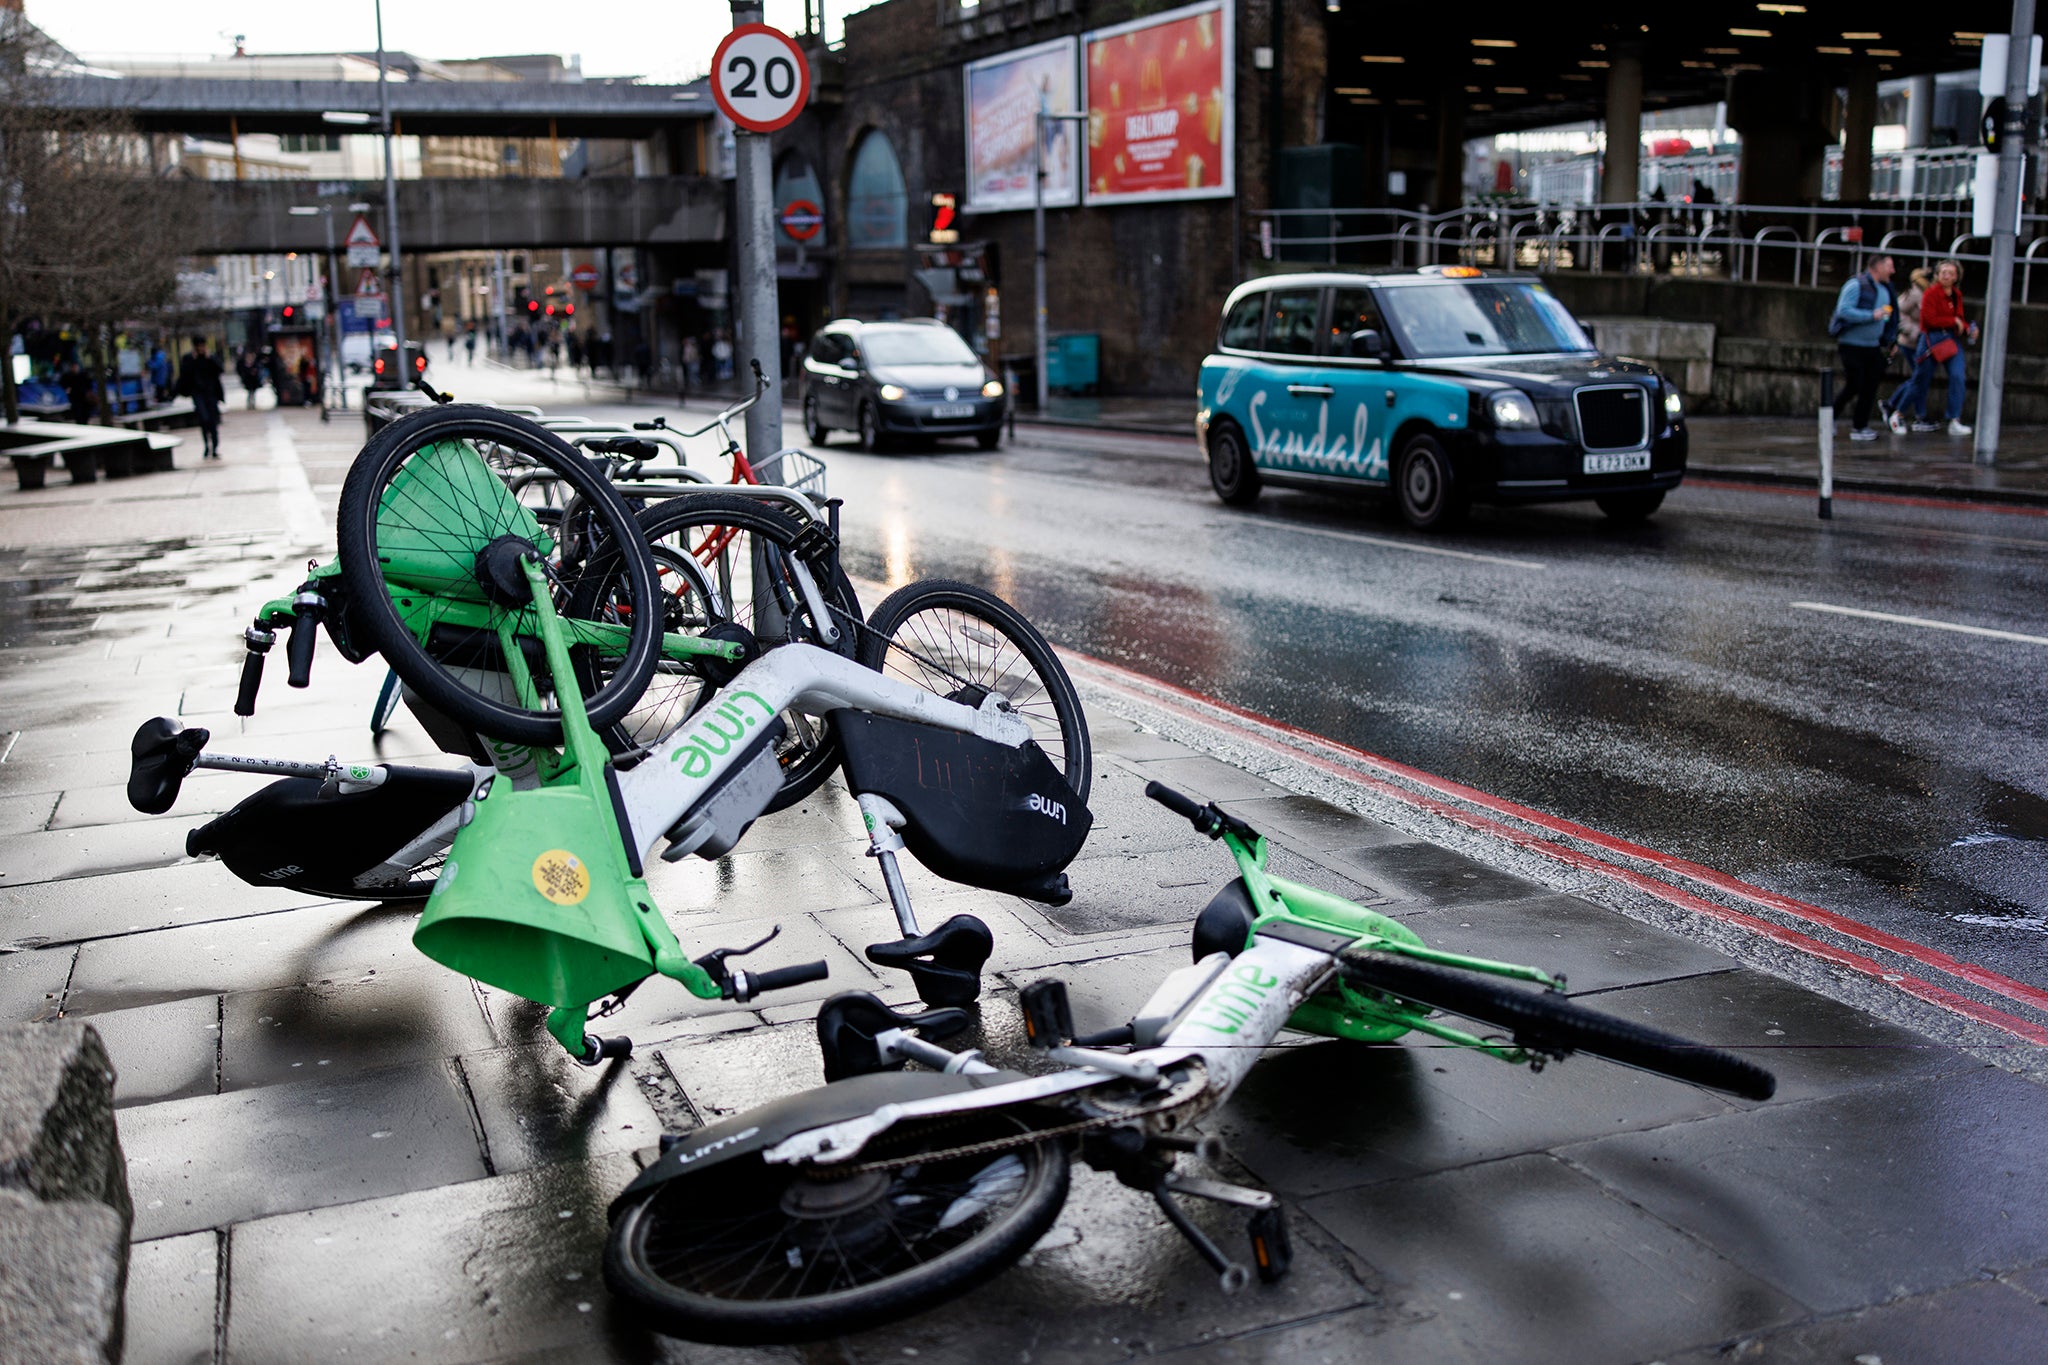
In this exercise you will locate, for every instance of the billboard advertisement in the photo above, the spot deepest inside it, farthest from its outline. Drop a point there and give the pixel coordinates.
(1160, 99)
(1002, 105)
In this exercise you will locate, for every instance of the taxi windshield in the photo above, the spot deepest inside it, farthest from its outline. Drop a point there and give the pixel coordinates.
(1481, 317)
(916, 346)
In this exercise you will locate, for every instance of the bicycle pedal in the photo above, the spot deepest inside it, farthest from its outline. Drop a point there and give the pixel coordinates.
(1272, 1249)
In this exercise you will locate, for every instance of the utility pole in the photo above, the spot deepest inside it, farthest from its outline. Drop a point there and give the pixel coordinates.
(397, 287)
(1046, 118)
(760, 334)
(2005, 214)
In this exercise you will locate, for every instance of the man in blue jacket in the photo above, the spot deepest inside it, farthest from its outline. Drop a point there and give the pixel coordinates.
(1866, 331)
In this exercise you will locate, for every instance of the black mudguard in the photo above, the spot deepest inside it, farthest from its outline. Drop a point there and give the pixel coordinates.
(757, 1130)
(289, 835)
(978, 813)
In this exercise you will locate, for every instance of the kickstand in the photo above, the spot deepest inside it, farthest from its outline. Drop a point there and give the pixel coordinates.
(1230, 1275)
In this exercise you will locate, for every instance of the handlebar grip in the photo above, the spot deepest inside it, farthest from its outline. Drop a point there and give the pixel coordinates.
(1179, 804)
(305, 634)
(782, 978)
(252, 678)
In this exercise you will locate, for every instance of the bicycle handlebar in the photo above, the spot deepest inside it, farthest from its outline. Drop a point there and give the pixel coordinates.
(305, 634)
(1207, 819)
(746, 985)
(760, 387)
(259, 642)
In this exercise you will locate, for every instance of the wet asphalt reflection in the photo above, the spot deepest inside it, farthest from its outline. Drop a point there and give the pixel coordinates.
(1655, 683)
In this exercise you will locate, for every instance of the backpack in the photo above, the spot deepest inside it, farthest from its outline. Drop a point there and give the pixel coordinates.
(1839, 324)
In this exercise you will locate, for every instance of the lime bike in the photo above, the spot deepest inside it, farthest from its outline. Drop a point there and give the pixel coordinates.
(522, 643)
(887, 1191)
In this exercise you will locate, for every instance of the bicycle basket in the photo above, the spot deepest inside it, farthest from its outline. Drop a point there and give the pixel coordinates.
(792, 468)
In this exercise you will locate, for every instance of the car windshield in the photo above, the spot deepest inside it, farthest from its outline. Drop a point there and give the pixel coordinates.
(915, 346)
(1482, 317)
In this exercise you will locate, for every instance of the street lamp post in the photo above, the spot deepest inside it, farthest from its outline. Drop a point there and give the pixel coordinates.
(1045, 118)
(2004, 225)
(340, 382)
(390, 196)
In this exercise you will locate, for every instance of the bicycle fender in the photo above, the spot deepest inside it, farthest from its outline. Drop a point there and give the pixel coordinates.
(759, 1129)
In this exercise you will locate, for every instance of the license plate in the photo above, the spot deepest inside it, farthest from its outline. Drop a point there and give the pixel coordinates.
(1628, 462)
(953, 410)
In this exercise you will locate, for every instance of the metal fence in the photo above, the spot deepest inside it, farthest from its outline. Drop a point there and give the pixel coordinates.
(1805, 244)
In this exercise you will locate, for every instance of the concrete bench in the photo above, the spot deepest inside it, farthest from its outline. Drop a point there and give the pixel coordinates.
(179, 412)
(65, 1210)
(84, 450)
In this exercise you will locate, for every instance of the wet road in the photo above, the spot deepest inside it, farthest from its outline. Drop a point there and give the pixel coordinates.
(1660, 683)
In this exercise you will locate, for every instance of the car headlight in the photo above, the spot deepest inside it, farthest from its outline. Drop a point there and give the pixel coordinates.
(992, 389)
(891, 394)
(1513, 409)
(1674, 406)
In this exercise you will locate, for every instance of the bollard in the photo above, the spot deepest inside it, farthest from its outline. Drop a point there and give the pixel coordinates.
(1827, 445)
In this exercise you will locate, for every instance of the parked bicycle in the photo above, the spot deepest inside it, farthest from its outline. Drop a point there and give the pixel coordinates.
(887, 1191)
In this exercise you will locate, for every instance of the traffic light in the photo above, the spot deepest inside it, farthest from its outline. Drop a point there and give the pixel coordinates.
(551, 310)
(570, 309)
(533, 305)
(287, 312)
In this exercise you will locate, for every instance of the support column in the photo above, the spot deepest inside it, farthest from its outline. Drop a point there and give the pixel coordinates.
(1620, 181)
(1920, 111)
(1859, 117)
(1449, 190)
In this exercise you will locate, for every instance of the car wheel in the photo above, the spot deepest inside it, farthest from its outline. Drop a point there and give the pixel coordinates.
(1231, 471)
(871, 438)
(815, 431)
(990, 439)
(1627, 508)
(1428, 492)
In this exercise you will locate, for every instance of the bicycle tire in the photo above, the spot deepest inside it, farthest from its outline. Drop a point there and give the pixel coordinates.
(458, 516)
(1543, 1021)
(386, 704)
(683, 1229)
(924, 634)
(751, 547)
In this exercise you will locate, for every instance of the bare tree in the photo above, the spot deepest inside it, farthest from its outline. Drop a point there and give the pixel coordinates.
(83, 237)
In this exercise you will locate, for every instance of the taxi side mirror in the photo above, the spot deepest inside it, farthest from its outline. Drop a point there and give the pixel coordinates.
(1368, 342)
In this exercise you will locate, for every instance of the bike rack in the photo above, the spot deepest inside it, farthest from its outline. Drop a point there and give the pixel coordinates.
(1756, 249)
(2027, 267)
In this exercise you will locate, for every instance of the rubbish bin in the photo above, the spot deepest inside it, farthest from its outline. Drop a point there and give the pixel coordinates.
(1073, 361)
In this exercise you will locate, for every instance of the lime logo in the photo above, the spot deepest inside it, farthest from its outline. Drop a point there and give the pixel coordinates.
(710, 740)
(1234, 998)
(561, 876)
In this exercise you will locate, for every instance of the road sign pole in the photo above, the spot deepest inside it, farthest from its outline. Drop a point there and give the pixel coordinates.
(2004, 223)
(397, 288)
(761, 81)
(1038, 125)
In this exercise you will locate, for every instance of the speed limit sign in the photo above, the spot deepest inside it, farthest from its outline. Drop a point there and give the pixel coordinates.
(760, 78)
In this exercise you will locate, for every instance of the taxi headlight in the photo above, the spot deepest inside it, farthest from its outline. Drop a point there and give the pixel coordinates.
(992, 389)
(891, 394)
(1674, 406)
(1513, 409)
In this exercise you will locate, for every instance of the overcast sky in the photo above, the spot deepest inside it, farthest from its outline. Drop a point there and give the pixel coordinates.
(664, 39)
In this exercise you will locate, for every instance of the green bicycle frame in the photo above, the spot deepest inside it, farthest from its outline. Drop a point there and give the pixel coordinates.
(1342, 1012)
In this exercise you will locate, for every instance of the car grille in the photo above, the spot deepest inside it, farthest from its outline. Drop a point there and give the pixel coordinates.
(1613, 417)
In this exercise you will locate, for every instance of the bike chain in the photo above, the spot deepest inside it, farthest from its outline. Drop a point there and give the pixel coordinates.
(1177, 1097)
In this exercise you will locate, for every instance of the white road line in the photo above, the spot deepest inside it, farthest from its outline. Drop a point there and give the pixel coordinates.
(1923, 621)
(1405, 545)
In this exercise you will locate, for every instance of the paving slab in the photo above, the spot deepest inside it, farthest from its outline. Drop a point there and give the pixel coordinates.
(23, 814)
(32, 982)
(537, 1106)
(1427, 872)
(173, 1296)
(1984, 1322)
(282, 1034)
(1594, 948)
(163, 1052)
(220, 1159)
(1528, 1260)
(1311, 823)
(1856, 1198)
(198, 802)
(129, 902)
(61, 854)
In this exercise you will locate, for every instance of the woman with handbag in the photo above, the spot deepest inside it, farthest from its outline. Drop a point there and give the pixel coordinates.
(1943, 329)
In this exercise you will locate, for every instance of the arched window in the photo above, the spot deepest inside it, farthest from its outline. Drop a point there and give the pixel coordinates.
(795, 182)
(875, 200)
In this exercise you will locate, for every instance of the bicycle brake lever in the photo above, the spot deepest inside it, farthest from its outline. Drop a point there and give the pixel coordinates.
(713, 962)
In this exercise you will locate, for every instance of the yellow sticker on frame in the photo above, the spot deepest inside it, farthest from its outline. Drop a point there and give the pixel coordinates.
(561, 876)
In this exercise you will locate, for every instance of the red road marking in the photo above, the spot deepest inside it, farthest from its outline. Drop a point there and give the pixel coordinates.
(1897, 499)
(1251, 721)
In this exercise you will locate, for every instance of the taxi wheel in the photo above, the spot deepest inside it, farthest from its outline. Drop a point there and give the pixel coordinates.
(1231, 471)
(1425, 487)
(1628, 508)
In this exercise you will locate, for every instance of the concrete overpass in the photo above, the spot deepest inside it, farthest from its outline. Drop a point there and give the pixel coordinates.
(236, 217)
(596, 109)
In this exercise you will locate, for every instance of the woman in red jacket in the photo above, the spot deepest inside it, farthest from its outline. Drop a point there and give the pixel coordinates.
(1943, 329)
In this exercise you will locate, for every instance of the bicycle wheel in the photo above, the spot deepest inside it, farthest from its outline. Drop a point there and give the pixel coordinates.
(386, 705)
(421, 508)
(964, 642)
(1545, 1022)
(727, 558)
(750, 1253)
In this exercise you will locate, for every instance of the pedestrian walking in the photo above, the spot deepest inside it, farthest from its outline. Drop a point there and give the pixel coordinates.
(1865, 327)
(693, 362)
(250, 371)
(77, 385)
(1943, 330)
(469, 343)
(199, 379)
(575, 347)
(1909, 342)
